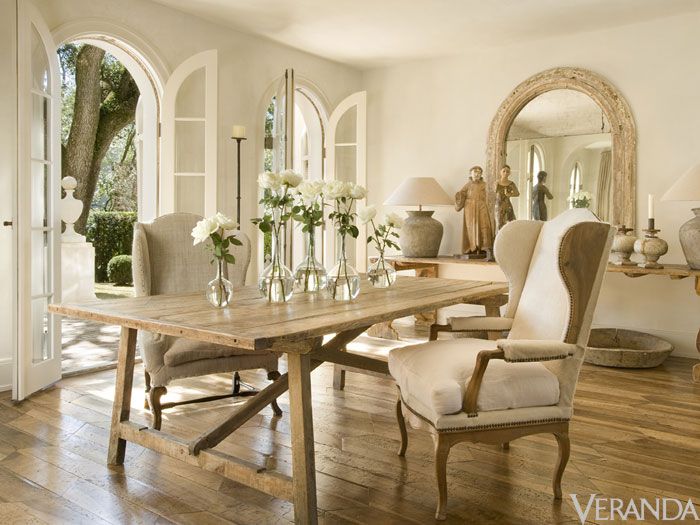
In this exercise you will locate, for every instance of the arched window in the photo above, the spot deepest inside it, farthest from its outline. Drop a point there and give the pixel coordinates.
(575, 182)
(535, 162)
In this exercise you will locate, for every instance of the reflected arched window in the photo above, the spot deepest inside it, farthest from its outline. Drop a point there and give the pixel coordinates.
(535, 162)
(575, 181)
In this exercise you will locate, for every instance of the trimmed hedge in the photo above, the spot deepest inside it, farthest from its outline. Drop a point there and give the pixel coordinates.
(111, 233)
(119, 270)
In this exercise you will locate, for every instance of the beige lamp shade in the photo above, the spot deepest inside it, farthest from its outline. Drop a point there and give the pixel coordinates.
(419, 191)
(686, 188)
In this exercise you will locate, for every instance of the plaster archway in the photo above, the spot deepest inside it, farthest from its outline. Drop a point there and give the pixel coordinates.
(150, 74)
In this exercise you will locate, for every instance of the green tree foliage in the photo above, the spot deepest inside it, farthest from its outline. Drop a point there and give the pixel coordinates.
(97, 123)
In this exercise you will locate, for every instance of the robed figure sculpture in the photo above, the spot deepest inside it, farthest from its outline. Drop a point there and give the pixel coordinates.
(477, 234)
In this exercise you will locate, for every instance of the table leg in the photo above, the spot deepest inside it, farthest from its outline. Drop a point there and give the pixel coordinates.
(122, 394)
(303, 461)
(696, 368)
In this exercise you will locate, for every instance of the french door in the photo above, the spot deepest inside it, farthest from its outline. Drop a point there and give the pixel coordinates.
(343, 157)
(38, 350)
(188, 181)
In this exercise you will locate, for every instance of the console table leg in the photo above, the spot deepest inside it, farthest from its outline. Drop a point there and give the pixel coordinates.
(696, 368)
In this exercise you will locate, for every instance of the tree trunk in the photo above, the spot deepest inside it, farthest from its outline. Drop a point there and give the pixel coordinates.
(98, 115)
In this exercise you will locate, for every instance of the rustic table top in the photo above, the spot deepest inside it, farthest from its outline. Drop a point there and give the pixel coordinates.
(250, 322)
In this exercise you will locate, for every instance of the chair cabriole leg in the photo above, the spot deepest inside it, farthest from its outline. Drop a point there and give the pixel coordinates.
(154, 403)
(402, 428)
(564, 450)
(442, 451)
(274, 375)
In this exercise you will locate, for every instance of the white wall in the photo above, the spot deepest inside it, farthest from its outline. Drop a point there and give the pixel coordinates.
(248, 66)
(430, 118)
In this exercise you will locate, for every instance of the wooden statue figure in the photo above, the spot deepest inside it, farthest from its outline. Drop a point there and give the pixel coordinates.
(477, 235)
(539, 192)
(505, 189)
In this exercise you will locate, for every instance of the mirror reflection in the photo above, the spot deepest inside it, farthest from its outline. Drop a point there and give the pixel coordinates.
(558, 157)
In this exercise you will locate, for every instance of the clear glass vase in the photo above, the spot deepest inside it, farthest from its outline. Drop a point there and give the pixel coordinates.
(310, 276)
(276, 283)
(219, 290)
(343, 279)
(380, 273)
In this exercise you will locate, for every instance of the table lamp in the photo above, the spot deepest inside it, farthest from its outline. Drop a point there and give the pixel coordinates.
(421, 234)
(687, 188)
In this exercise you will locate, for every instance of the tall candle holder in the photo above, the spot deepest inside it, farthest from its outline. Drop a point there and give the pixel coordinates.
(238, 178)
(623, 247)
(650, 247)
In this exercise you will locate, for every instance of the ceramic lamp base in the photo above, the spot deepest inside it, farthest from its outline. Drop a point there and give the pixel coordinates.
(420, 235)
(689, 235)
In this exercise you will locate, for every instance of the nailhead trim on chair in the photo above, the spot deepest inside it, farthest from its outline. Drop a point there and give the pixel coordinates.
(482, 427)
(503, 425)
(536, 359)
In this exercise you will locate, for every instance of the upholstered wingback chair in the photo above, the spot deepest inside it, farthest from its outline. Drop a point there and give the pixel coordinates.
(496, 391)
(166, 262)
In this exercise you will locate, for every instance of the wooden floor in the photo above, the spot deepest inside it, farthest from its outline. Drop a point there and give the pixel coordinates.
(635, 433)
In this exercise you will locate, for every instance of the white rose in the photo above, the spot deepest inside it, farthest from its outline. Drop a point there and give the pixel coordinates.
(204, 229)
(225, 222)
(357, 191)
(290, 178)
(310, 190)
(394, 220)
(336, 189)
(269, 181)
(367, 214)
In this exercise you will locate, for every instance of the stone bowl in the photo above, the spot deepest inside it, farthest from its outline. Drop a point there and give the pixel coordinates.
(625, 349)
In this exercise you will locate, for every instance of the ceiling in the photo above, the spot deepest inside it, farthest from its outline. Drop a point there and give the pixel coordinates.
(559, 113)
(370, 33)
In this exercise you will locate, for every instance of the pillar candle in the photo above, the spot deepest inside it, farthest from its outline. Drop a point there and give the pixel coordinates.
(651, 206)
(238, 132)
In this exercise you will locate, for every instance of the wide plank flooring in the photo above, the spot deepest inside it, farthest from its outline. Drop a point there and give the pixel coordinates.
(635, 433)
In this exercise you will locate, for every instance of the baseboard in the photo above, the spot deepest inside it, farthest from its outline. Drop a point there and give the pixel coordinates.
(5, 374)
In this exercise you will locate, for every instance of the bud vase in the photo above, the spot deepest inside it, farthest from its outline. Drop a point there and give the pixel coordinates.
(219, 290)
(343, 279)
(380, 273)
(310, 275)
(276, 283)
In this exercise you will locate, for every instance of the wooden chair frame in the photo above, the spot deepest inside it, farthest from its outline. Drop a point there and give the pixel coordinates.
(445, 440)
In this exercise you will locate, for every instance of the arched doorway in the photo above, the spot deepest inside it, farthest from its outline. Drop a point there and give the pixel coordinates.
(133, 161)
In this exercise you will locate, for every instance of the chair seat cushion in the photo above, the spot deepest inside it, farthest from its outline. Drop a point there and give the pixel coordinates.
(435, 375)
(185, 351)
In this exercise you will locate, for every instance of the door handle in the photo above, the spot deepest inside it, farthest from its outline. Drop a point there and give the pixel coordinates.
(7, 223)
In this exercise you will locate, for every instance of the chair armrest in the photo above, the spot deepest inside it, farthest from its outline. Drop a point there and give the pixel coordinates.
(471, 396)
(512, 351)
(524, 350)
(480, 323)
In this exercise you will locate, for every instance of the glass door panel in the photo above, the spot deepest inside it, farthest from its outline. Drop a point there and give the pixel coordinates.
(38, 350)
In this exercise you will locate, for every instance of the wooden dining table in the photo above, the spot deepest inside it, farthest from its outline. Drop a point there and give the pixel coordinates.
(297, 329)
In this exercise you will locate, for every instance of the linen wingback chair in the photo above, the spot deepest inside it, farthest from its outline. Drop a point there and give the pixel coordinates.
(496, 391)
(166, 262)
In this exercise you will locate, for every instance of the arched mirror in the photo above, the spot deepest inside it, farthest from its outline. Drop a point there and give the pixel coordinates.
(569, 140)
(564, 134)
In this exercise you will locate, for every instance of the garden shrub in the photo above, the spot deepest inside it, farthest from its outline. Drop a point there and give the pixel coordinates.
(119, 270)
(111, 233)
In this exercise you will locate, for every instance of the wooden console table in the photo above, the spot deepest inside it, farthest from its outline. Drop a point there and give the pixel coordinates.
(674, 271)
(428, 267)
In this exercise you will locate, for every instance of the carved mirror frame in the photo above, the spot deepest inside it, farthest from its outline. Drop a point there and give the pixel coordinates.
(622, 129)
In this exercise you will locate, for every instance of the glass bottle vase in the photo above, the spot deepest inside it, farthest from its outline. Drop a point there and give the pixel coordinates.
(380, 273)
(219, 290)
(343, 279)
(310, 276)
(276, 283)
